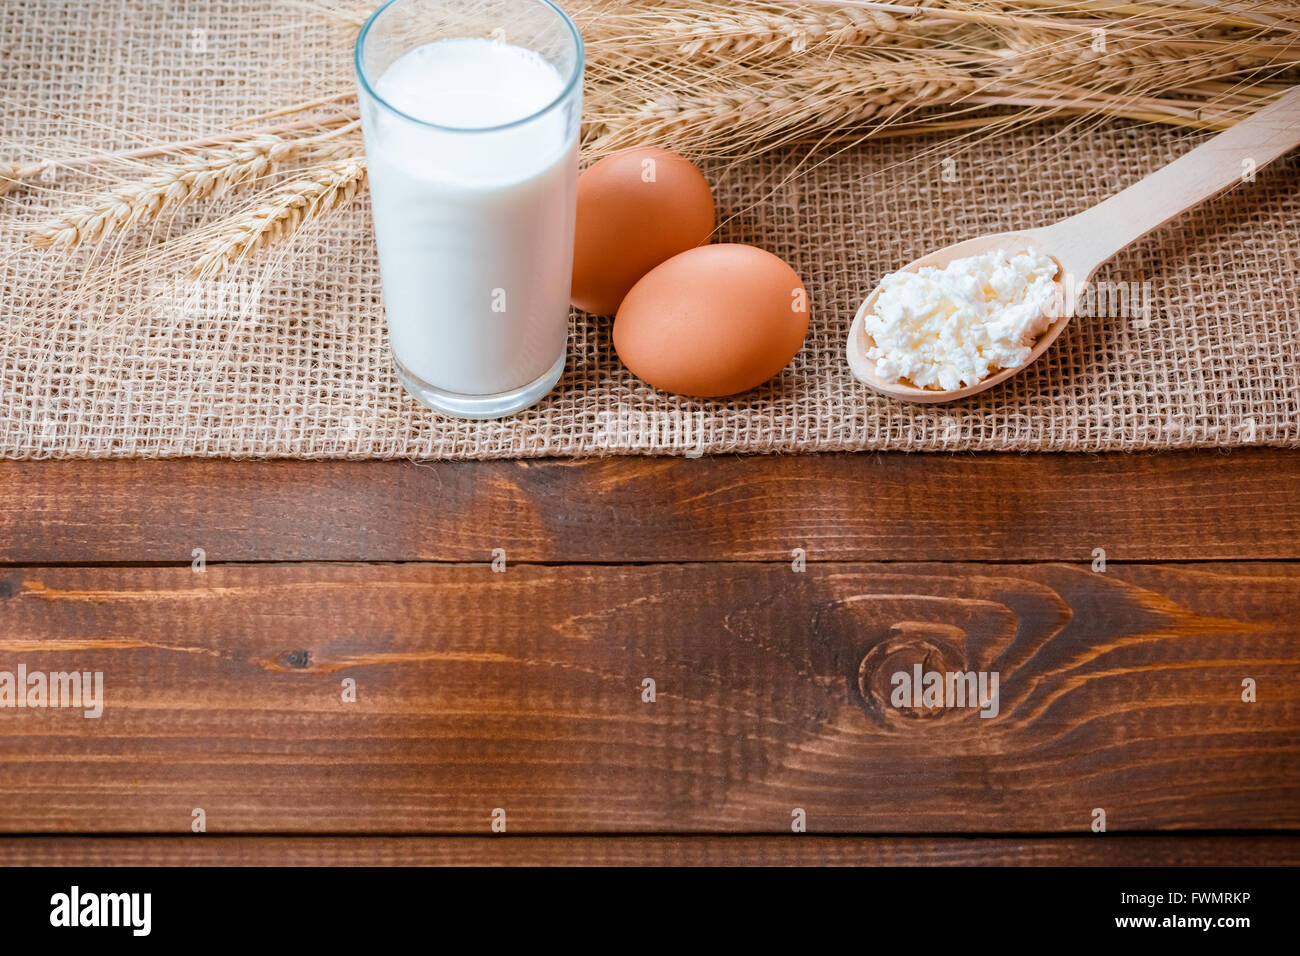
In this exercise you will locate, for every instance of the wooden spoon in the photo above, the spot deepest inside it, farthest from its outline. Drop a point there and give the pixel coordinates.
(1082, 244)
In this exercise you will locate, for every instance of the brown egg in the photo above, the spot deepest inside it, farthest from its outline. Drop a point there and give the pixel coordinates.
(636, 208)
(713, 321)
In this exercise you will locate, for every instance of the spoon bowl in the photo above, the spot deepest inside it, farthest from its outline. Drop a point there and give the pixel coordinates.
(1082, 244)
(1012, 243)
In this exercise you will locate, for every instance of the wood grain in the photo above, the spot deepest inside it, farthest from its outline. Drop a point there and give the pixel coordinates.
(523, 690)
(803, 850)
(1188, 506)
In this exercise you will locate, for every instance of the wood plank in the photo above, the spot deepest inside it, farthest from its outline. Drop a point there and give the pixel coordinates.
(523, 690)
(1186, 849)
(896, 507)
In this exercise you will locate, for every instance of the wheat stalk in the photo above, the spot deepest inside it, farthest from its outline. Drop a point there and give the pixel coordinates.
(327, 188)
(190, 179)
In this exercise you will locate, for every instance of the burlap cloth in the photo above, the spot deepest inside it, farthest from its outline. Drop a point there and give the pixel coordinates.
(297, 365)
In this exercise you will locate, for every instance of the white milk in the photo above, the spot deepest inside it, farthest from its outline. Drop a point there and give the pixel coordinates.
(475, 229)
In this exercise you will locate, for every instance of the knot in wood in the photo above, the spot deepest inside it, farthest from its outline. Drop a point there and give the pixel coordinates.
(904, 647)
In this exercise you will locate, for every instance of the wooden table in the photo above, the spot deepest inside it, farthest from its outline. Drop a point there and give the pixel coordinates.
(499, 622)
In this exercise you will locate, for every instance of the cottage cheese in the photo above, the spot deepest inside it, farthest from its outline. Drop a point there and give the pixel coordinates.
(954, 326)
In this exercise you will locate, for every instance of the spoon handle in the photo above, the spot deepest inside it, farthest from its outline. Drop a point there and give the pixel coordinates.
(1086, 241)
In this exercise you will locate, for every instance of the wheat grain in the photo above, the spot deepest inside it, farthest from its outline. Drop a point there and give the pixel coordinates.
(191, 179)
(327, 188)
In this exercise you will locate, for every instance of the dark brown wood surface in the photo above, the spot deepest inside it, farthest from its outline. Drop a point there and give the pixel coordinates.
(522, 690)
(1184, 506)
(1184, 849)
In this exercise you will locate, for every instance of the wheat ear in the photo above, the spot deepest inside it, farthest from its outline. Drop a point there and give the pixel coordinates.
(328, 187)
(13, 175)
(1147, 67)
(189, 180)
(756, 32)
(725, 121)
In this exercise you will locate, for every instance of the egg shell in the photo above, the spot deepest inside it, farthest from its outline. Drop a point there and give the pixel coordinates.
(636, 208)
(713, 321)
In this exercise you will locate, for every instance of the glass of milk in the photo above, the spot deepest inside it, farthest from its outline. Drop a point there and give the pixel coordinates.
(471, 111)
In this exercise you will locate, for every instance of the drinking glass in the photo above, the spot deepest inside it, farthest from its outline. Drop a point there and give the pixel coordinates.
(473, 205)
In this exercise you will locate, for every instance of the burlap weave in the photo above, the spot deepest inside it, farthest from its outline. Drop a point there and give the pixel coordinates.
(299, 367)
